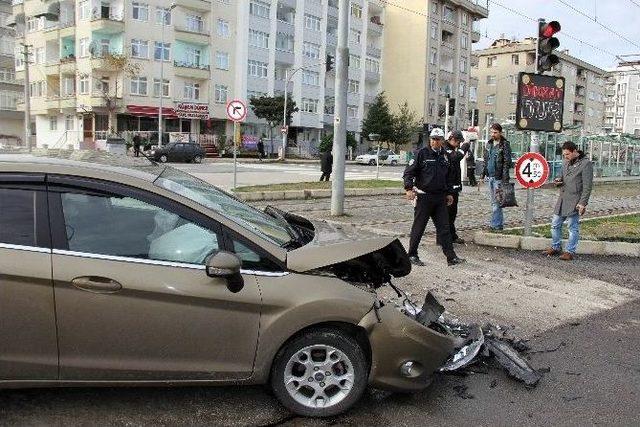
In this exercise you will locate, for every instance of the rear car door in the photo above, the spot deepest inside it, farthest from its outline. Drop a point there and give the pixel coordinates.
(132, 296)
(178, 154)
(28, 346)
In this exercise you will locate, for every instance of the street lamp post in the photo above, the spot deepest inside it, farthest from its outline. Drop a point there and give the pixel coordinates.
(164, 21)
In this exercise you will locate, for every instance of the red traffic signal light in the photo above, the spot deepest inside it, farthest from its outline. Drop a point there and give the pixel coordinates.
(549, 29)
(546, 45)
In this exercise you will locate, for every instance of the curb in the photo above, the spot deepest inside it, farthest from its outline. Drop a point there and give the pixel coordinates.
(528, 243)
(257, 196)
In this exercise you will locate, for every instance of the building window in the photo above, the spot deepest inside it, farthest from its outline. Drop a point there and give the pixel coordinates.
(310, 78)
(465, 18)
(191, 91)
(83, 48)
(7, 75)
(222, 60)
(311, 50)
(448, 13)
(433, 83)
(68, 86)
(258, 39)
(352, 111)
(354, 62)
(464, 41)
(309, 105)
(53, 123)
(139, 48)
(434, 30)
(260, 9)
(311, 22)
(195, 23)
(163, 12)
(462, 89)
(165, 88)
(463, 65)
(68, 123)
(491, 80)
(492, 61)
(140, 11)
(223, 29)
(221, 94)
(372, 66)
(434, 7)
(284, 42)
(355, 35)
(356, 11)
(257, 69)
(514, 98)
(84, 85)
(512, 117)
(40, 56)
(490, 99)
(433, 58)
(473, 94)
(138, 86)
(354, 86)
(162, 51)
(637, 108)
(515, 59)
(84, 10)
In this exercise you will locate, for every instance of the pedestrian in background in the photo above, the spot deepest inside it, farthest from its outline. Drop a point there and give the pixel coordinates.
(456, 154)
(575, 185)
(260, 149)
(468, 147)
(497, 164)
(426, 180)
(326, 164)
(136, 145)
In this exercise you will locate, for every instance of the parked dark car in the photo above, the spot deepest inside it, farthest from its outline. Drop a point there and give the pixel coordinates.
(178, 152)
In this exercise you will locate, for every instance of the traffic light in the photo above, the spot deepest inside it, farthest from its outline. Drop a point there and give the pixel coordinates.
(331, 63)
(452, 106)
(546, 45)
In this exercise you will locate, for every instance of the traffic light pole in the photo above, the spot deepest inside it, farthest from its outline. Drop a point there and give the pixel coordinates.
(446, 118)
(340, 120)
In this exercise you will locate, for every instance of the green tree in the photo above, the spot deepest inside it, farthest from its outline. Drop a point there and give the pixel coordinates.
(379, 119)
(405, 124)
(326, 144)
(122, 66)
(270, 109)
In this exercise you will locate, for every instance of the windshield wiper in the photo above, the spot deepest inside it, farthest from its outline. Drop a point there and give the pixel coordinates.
(296, 237)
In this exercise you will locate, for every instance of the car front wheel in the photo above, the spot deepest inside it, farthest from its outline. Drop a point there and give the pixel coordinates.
(198, 158)
(322, 373)
(371, 162)
(163, 158)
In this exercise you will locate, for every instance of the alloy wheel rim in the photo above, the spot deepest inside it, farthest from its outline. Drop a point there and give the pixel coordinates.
(319, 376)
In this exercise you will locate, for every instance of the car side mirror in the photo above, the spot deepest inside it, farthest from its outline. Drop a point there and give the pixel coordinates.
(226, 265)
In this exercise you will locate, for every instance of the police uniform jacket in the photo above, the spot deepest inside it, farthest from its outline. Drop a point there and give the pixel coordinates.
(428, 172)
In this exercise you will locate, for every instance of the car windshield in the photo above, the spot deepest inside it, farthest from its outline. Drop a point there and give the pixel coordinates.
(211, 197)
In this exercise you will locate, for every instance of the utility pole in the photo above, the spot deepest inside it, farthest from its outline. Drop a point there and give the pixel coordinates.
(340, 121)
(285, 135)
(27, 95)
(165, 12)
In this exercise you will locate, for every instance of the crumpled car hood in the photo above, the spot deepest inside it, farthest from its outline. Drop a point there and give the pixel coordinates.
(334, 244)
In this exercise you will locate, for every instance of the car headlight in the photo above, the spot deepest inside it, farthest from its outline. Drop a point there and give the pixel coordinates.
(152, 152)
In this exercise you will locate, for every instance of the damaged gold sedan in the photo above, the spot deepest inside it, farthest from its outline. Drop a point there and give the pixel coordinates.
(142, 275)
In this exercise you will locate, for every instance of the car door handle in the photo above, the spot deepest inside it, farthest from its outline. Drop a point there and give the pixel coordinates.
(98, 285)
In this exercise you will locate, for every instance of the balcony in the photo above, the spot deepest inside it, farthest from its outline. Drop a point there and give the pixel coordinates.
(477, 7)
(332, 10)
(375, 26)
(475, 36)
(68, 65)
(285, 57)
(192, 71)
(194, 35)
(68, 102)
(52, 103)
(114, 24)
(52, 68)
(374, 51)
(372, 76)
(200, 5)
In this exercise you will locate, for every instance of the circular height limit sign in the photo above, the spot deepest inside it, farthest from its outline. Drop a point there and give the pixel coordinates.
(532, 170)
(236, 110)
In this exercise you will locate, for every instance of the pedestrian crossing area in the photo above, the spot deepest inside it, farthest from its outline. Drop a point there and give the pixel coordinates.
(312, 170)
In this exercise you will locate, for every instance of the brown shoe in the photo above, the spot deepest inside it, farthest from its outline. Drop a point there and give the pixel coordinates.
(566, 256)
(551, 252)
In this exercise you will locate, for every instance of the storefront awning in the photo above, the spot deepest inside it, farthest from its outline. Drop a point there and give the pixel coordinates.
(149, 111)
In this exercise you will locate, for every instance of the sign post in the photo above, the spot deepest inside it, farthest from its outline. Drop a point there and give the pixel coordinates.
(237, 112)
(532, 171)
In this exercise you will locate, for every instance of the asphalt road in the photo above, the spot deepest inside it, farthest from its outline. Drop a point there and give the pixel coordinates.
(585, 325)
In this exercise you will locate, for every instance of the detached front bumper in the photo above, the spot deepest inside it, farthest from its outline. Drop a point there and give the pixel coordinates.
(404, 353)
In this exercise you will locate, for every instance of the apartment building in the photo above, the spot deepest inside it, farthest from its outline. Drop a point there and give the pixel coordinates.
(11, 120)
(622, 111)
(431, 57)
(107, 65)
(497, 69)
(280, 38)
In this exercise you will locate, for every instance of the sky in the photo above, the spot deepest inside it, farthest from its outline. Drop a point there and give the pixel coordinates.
(621, 16)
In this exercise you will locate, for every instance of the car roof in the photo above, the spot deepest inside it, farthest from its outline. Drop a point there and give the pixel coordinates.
(47, 160)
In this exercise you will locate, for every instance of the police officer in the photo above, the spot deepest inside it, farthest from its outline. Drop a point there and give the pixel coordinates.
(426, 180)
(456, 153)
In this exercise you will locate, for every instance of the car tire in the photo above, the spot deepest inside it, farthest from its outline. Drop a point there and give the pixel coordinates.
(198, 158)
(163, 158)
(393, 162)
(371, 162)
(320, 352)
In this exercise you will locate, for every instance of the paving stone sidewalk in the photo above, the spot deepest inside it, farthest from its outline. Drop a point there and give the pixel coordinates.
(393, 215)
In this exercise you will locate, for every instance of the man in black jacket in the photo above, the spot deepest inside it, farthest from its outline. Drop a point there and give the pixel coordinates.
(456, 154)
(497, 164)
(326, 164)
(426, 180)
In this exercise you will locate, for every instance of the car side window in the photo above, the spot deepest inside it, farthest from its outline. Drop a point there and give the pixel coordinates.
(252, 260)
(18, 217)
(128, 227)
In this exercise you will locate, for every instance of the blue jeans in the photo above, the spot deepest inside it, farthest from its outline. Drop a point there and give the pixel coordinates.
(497, 217)
(574, 232)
